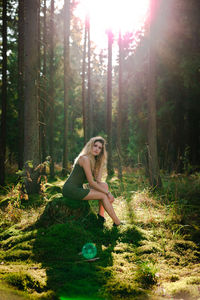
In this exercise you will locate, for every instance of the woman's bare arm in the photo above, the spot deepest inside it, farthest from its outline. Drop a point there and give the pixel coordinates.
(99, 175)
(85, 163)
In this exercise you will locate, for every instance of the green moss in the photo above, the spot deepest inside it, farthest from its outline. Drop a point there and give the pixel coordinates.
(23, 282)
(149, 247)
(52, 189)
(180, 245)
(60, 210)
(9, 232)
(17, 254)
(174, 278)
(44, 257)
(194, 280)
(181, 291)
(17, 239)
(121, 289)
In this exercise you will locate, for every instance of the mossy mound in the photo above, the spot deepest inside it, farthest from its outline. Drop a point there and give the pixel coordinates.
(151, 257)
(23, 282)
(61, 209)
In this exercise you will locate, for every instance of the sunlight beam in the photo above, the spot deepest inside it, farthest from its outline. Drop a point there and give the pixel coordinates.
(123, 15)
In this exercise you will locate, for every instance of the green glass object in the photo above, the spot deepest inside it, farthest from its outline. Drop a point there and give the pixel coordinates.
(89, 250)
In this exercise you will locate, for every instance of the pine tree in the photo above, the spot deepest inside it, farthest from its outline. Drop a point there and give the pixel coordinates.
(4, 97)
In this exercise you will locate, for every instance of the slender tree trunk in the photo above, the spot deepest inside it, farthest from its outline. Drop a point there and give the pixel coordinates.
(51, 91)
(4, 97)
(109, 104)
(154, 175)
(21, 83)
(66, 80)
(119, 119)
(39, 80)
(44, 88)
(89, 82)
(31, 126)
(83, 86)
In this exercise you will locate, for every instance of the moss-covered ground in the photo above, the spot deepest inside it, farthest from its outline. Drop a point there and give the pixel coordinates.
(155, 255)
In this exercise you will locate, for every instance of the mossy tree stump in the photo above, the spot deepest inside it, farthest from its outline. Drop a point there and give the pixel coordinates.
(61, 209)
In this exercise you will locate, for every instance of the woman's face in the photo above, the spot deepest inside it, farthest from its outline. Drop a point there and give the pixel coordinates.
(97, 148)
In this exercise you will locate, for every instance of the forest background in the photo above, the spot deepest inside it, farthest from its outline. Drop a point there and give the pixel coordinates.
(141, 92)
(56, 85)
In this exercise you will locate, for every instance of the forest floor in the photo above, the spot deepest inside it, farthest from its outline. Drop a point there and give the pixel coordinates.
(155, 255)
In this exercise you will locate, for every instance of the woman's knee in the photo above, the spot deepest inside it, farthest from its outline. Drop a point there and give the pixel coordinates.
(104, 198)
(111, 200)
(104, 184)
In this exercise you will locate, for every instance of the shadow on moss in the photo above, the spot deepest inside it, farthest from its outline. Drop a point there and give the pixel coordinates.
(62, 230)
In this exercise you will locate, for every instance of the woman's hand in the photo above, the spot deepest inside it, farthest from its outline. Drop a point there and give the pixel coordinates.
(111, 197)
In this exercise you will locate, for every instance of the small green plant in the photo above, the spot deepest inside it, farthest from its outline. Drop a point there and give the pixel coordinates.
(146, 274)
(12, 202)
(176, 234)
(187, 167)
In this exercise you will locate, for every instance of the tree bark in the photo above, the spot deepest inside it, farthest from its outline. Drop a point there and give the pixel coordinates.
(83, 87)
(44, 88)
(109, 104)
(31, 128)
(154, 174)
(66, 80)
(89, 82)
(31, 122)
(119, 114)
(39, 80)
(4, 97)
(21, 83)
(51, 92)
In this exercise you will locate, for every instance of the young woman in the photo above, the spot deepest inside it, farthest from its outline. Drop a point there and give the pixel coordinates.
(88, 167)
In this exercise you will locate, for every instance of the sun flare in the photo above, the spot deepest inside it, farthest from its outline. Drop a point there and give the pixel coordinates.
(124, 15)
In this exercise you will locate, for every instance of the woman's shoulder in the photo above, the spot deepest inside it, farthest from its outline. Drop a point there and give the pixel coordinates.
(83, 159)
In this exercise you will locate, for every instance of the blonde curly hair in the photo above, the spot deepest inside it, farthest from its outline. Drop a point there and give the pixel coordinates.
(96, 162)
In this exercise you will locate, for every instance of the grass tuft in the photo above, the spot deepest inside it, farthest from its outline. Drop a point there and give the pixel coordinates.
(146, 274)
(23, 282)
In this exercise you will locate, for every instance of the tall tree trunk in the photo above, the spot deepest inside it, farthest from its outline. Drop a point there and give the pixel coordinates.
(109, 104)
(66, 80)
(51, 91)
(44, 88)
(89, 82)
(21, 83)
(119, 117)
(31, 126)
(154, 174)
(39, 80)
(4, 97)
(83, 86)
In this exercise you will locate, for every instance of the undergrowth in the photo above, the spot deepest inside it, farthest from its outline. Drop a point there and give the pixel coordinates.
(153, 256)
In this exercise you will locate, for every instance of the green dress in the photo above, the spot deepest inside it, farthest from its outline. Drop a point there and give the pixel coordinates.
(73, 187)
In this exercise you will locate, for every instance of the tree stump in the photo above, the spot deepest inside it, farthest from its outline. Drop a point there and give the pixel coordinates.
(33, 175)
(61, 209)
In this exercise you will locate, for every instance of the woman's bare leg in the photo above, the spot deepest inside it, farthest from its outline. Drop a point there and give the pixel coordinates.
(95, 195)
(101, 208)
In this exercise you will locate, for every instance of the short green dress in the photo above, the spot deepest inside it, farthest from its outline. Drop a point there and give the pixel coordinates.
(73, 187)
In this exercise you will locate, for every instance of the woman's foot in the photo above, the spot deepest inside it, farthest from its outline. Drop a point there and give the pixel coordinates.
(101, 218)
(121, 223)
